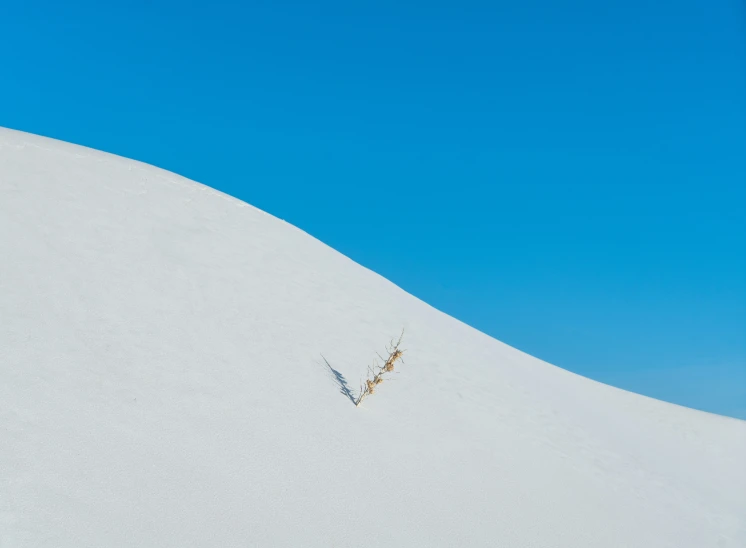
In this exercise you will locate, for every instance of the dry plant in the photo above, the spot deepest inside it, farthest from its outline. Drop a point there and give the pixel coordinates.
(376, 371)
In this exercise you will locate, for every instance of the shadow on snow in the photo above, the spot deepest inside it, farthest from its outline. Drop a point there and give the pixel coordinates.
(340, 381)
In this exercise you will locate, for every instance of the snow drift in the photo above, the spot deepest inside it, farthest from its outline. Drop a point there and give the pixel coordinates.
(170, 370)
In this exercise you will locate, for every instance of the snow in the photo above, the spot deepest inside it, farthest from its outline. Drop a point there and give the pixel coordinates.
(164, 383)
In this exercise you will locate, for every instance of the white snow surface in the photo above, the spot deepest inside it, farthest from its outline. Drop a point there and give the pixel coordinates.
(162, 385)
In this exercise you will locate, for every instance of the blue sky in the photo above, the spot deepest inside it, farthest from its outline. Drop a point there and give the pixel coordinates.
(569, 177)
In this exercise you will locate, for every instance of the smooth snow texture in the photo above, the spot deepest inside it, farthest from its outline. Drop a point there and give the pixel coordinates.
(162, 385)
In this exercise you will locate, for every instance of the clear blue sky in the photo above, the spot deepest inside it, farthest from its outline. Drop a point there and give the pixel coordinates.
(569, 177)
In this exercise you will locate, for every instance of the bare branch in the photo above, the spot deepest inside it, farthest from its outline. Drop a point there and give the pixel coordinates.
(376, 373)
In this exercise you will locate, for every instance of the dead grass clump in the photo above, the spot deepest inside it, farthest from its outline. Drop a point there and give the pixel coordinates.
(376, 372)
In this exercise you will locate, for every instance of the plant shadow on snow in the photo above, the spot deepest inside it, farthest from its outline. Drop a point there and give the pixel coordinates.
(340, 381)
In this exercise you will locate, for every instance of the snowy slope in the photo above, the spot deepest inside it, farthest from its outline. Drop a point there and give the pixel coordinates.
(162, 385)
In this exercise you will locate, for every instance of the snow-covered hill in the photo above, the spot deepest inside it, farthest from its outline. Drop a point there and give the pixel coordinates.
(167, 379)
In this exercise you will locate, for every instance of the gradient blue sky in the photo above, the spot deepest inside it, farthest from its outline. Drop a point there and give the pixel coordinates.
(569, 177)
